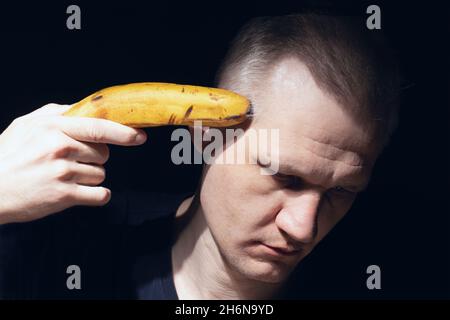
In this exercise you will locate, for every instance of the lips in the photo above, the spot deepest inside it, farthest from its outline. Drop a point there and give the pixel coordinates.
(281, 251)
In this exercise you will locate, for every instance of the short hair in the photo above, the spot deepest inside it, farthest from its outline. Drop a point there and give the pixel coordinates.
(347, 60)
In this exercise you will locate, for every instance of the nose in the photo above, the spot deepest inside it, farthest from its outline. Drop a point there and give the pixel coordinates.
(298, 217)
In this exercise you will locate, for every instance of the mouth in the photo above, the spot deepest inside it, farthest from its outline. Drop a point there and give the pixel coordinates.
(279, 251)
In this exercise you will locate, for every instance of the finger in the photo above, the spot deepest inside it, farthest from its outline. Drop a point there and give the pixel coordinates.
(91, 196)
(50, 109)
(101, 131)
(87, 152)
(87, 174)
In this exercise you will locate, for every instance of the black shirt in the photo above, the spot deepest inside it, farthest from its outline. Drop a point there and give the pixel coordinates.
(123, 250)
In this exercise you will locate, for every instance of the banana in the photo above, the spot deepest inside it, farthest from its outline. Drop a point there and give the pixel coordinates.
(150, 104)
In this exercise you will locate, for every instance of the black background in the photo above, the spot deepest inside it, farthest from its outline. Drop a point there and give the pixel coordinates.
(400, 223)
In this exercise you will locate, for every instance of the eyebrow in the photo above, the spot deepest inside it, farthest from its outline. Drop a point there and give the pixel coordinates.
(288, 169)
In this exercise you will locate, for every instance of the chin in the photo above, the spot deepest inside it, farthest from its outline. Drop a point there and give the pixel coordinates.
(265, 271)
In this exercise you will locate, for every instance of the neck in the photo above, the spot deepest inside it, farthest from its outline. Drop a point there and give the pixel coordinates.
(200, 272)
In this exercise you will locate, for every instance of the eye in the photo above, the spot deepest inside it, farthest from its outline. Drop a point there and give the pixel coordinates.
(337, 194)
(341, 191)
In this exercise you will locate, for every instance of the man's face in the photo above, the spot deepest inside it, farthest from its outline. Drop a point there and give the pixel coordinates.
(263, 225)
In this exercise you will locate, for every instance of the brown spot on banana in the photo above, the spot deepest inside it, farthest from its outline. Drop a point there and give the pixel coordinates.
(214, 97)
(101, 113)
(172, 119)
(188, 112)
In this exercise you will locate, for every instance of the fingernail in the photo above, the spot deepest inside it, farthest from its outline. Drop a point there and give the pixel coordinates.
(140, 138)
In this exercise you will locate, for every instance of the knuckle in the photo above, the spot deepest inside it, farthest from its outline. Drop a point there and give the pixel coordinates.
(26, 122)
(63, 170)
(131, 137)
(62, 151)
(39, 124)
(47, 107)
(100, 152)
(50, 105)
(94, 133)
(62, 194)
(17, 121)
(59, 145)
(101, 175)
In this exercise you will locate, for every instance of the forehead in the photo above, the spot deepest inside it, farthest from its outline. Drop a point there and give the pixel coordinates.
(312, 125)
(289, 99)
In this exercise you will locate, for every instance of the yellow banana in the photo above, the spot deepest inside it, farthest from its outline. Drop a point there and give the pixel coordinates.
(151, 104)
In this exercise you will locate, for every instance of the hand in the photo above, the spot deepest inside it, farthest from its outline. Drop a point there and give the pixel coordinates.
(49, 162)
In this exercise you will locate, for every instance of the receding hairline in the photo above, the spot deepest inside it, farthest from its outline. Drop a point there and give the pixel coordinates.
(350, 65)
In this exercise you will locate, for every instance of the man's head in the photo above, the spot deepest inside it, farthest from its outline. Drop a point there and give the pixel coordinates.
(331, 92)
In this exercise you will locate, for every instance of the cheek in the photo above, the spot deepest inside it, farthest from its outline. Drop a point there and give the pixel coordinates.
(234, 203)
(221, 199)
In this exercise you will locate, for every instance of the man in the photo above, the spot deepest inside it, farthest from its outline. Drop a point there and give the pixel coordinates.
(325, 82)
